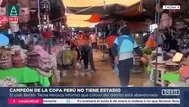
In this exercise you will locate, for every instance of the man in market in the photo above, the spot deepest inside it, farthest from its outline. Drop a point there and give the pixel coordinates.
(86, 55)
(93, 40)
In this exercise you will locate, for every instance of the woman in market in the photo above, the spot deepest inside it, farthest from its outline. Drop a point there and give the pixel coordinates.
(122, 50)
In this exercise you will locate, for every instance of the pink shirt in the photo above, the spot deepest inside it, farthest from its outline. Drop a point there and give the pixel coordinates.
(93, 38)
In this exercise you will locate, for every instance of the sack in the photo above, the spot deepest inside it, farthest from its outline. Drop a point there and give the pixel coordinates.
(24, 15)
(5, 59)
(185, 73)
(67, 57)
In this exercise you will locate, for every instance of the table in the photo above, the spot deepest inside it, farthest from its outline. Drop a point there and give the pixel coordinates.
(25, 75)
(165, 75)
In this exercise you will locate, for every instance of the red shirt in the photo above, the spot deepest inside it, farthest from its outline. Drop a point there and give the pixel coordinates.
(111, 40)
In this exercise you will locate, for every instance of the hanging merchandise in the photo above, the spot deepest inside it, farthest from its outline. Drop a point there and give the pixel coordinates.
(24, 15)
(179, 25)
(171, 2)
(14, 27)
(47, 34)
(25, 3)
(13, 2)
(14, 48)
(159, 9)
(166, 21)
(17, 60)
(33, 18)
(2, 10)
(3, 3)
(5, 58)
(3, 20)
(33, 4)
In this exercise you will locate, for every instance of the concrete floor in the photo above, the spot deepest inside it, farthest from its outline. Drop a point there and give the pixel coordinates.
(103, 77)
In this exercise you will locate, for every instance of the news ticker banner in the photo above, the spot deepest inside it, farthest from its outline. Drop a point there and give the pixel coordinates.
(95, 95)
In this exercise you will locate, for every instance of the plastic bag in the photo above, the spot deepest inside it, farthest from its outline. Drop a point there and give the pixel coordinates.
(116, 70)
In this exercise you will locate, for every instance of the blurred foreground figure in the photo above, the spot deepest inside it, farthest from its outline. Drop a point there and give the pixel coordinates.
(111, 38)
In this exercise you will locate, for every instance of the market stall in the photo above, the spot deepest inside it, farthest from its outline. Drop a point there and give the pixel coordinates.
(24, 56)
(167, 46)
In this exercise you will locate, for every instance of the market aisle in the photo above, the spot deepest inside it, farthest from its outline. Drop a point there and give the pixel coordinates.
(103, 77)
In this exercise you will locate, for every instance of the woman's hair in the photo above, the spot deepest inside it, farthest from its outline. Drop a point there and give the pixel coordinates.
(124, 30)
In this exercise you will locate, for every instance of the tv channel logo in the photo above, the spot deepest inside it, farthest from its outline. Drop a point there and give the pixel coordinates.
(170, 92)
(171, 7)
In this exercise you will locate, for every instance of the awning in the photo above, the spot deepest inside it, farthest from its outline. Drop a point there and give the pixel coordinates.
(89, 3)
(83, 11)
(78, 20)
(97, 6)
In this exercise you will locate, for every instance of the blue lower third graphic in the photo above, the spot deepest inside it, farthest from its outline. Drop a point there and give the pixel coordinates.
(94, 96)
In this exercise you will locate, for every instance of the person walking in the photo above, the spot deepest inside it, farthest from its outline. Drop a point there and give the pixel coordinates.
(110, 39)
(93, 41)
(123, 50)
